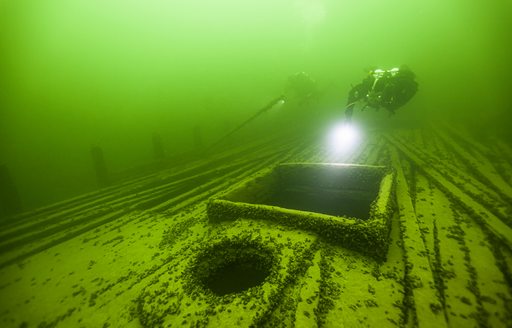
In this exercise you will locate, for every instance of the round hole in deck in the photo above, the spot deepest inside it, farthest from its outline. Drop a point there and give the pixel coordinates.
(234, 268)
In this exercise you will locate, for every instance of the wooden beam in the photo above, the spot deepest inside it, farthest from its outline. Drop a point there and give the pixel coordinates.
(470, 205)
(420, 278)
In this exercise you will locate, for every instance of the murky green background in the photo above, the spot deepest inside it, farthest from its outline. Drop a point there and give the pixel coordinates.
(108, 72)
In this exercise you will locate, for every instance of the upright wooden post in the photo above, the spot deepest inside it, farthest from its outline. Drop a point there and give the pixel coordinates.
(158, 148)
(100, 167)
(10, 202)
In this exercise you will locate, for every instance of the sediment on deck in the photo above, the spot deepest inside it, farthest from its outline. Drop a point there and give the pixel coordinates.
(127, 255)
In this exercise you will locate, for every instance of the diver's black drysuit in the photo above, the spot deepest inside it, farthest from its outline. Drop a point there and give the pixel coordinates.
(389, 89)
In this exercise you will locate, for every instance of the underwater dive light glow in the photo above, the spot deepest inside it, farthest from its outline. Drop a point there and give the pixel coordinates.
(343, 138)
(278, 106)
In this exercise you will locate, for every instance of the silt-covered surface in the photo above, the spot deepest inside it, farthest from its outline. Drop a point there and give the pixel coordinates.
(145, 253)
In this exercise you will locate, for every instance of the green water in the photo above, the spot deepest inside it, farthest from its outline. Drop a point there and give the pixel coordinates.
(75, 74)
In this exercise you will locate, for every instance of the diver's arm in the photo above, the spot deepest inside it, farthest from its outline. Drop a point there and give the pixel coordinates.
(349, 110)
(353, 96)
(358, 93)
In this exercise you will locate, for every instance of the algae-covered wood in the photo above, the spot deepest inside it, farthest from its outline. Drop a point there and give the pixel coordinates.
(145, 254)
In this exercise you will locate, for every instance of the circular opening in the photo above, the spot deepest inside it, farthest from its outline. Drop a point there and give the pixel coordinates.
(233, 267)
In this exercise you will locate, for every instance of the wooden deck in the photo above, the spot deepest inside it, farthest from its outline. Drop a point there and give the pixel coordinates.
(121, 257)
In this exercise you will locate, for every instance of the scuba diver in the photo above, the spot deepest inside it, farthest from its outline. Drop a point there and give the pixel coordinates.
(301, 89)
(389, 89)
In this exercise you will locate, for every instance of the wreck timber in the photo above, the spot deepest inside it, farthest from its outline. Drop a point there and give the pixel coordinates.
(140, 253)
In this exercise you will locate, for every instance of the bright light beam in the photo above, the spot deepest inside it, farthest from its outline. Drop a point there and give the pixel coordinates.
(343, 138)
